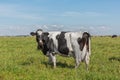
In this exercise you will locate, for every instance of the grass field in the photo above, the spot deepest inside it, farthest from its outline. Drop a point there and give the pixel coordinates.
(20, 60)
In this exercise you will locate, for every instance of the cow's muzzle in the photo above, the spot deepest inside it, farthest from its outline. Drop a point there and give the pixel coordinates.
(40, 45)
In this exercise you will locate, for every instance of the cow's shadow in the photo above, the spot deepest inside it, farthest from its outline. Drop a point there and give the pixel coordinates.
(59, 65)
(114, 59)
(64, 65)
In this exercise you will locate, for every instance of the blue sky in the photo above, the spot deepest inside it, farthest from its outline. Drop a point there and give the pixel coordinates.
(18, 17)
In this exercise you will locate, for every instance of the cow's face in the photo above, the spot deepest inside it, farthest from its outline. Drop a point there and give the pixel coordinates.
(38, 34)
(42, 39)
(39, 39)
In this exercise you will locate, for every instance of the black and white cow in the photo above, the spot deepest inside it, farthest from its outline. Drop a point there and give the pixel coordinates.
(76, 44)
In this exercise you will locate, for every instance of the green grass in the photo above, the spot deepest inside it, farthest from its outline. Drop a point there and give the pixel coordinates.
(20, 60)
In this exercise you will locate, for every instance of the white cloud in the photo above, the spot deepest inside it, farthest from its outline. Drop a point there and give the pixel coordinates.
(93, 14)
(45, 26)
(71, 13)
(16, 11)
(104, 28)
(26, 29)
(12, 30)
(81, 14)
(100, 30)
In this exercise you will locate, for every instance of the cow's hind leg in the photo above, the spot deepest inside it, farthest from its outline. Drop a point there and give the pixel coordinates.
(87, 59)
(77, 58)
(78, 61)
(77, 64)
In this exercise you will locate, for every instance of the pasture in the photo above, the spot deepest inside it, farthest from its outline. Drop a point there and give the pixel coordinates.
(20, 60)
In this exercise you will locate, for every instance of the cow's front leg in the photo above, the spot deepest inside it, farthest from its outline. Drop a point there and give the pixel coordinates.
(53, 59)
(50, 59)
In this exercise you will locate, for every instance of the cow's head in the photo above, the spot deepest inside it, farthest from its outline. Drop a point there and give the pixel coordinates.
(38, 35)
(41, 38)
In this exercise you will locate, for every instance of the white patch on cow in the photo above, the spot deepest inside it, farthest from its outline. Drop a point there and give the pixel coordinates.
(89, 47)
(39, 32)
(68, 40)
(55, 41)
(52, 59)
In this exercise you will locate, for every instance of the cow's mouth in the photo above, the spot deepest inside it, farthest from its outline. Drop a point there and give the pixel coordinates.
(40, 47)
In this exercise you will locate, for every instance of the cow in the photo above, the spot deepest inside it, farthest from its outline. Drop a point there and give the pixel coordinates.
(114, 36)
(76, 44)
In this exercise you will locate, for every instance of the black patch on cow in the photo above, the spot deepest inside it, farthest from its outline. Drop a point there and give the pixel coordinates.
(45, 37)
(62, 43)
(50, 45)
(45, 49)
(84, 40)
(37, 40)
(45, 40)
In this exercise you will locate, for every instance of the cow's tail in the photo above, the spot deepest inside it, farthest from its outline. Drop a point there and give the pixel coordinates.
(87, 59)
(88, 42)
(89, 45)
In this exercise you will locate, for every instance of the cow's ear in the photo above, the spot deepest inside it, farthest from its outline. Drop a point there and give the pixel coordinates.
(33, 33)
